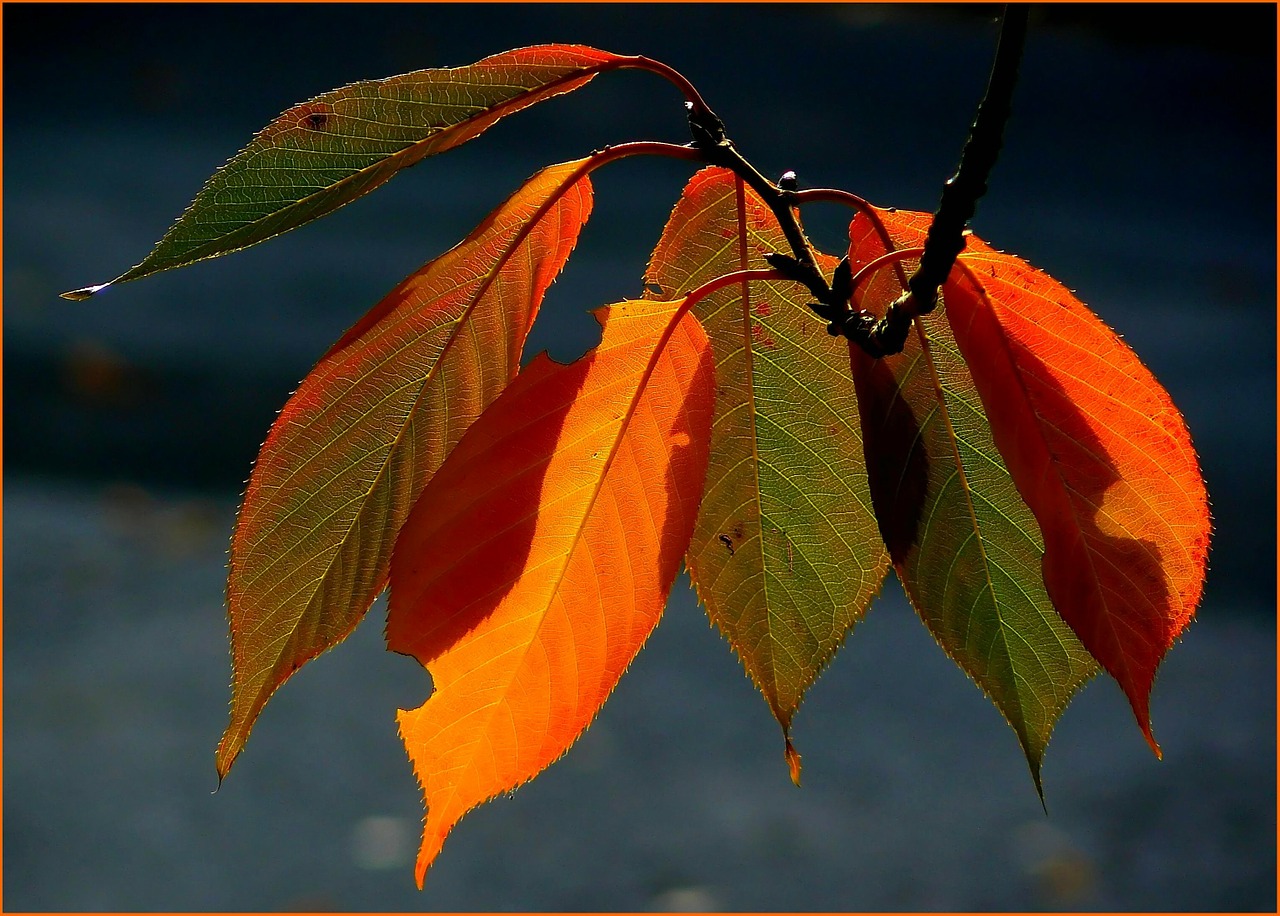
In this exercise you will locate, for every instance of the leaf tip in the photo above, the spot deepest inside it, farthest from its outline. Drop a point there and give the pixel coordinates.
(426, 855)
(227, 751)
(1151, 741)
(83, 293)
(793, 762)
(1035, 777)
(1140, 701)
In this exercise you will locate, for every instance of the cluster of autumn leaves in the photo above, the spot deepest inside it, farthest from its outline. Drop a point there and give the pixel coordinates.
(1029, 481)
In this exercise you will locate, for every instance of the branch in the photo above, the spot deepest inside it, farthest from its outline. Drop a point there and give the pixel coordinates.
(710, 140)
(946, 238)
(961, 192)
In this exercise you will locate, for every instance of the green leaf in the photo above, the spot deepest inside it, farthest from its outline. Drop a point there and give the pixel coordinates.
(1102, 457)
(366, 430)
(339, 146)
(967, 548)
(785, 555)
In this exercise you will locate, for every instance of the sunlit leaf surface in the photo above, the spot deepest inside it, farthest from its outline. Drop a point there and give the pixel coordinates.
(540, 555)
(1100, 454)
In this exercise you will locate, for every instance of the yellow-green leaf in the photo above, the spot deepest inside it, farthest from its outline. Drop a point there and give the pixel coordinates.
(786, 555)
(356, 444)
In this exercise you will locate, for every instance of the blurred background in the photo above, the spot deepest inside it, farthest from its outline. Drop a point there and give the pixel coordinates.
(1139, 169)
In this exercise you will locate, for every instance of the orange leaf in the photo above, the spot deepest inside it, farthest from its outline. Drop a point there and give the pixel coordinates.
(366, 429)
(539, 558)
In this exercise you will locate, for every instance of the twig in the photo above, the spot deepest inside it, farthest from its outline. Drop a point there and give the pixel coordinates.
(960, 195)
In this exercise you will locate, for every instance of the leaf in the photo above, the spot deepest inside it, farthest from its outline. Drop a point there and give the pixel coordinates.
(785, 554)
(965, 546)
(355, 445)
(330, 150)
(1101, 455)
(540, 555)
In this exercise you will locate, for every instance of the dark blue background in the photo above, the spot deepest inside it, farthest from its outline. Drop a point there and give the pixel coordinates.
(1139, 169)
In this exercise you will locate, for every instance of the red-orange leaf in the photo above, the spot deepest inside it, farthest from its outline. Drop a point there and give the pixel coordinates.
(366, 429)
(1100, 454)
(539, 558)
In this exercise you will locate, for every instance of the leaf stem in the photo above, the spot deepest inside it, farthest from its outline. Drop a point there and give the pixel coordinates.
(671, 75)
(832, 196)
(893, 256)
(617, 151)
(737, 276)
(887, 334)
(714, 285)
(848, 199)
(693, 298)
(710, 139)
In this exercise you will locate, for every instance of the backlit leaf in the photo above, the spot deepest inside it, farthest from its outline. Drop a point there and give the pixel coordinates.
(1100, 454)
(785, 555)
(354, 446)
(540, 556)
(964, 544)
(339, 146)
